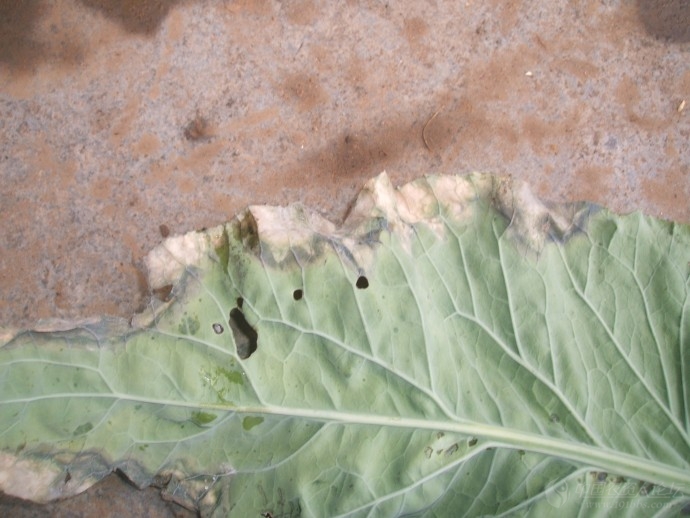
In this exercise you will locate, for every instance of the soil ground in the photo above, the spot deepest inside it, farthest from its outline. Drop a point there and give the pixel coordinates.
(122, 122)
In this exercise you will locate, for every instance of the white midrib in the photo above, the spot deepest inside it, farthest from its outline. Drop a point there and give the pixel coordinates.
(598, 458)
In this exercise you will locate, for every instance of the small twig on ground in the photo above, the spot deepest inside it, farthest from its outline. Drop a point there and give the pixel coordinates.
(424, 139)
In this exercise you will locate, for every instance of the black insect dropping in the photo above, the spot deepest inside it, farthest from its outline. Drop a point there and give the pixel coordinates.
(362, 282)
(297, 294)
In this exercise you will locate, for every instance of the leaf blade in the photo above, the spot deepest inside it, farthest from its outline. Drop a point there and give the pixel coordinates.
(483, 356)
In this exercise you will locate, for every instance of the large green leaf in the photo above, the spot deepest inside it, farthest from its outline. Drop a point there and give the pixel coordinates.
(455, 347)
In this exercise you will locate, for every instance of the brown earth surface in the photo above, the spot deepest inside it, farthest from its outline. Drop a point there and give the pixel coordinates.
(121, 122)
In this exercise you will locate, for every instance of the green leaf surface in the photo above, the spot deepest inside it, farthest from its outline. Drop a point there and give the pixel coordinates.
(456, 347)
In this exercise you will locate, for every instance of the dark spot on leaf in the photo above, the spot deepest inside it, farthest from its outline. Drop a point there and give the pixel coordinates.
(451, 449)
(646, 488)
(189, 325)
(217, 328)
(82, 429)
(250, 422)
(240, 301)
(602, 476)
(297, 294)
(362, 282)
(164, 230)
(202, 418)
(231, 376)
(472, 441)
(245, 335)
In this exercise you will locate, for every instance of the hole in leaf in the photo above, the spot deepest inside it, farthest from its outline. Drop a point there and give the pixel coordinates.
(244, 334)
(297, 294)
(452, 449)
(472, 441)
(362, 282)
(217, 328)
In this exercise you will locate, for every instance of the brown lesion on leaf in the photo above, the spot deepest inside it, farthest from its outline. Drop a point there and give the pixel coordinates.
(163, 293)
(535, 222)
(246, 230)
